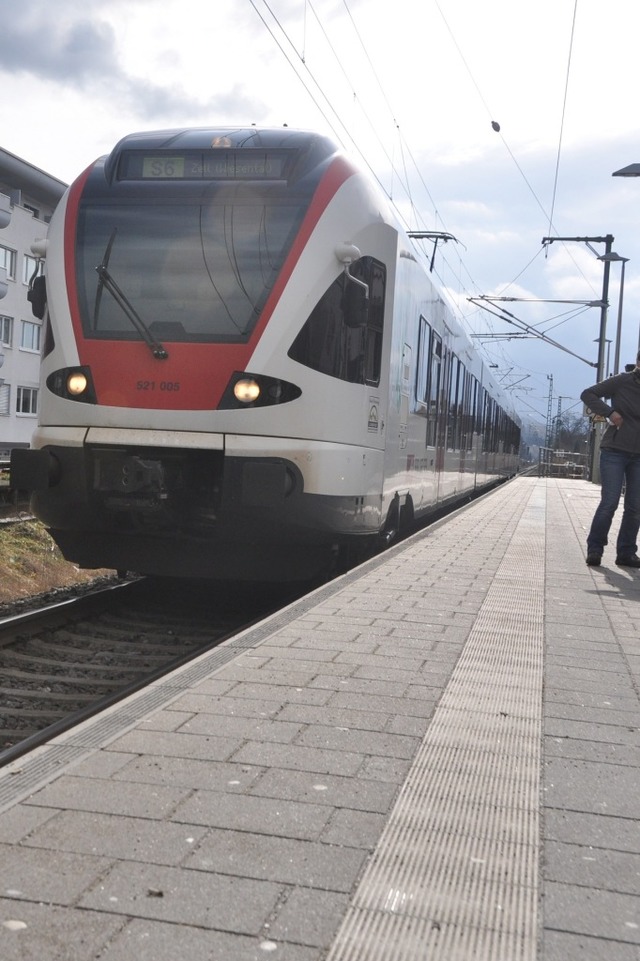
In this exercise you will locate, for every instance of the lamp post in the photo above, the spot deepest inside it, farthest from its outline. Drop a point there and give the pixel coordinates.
(631, 170)
(610, 258)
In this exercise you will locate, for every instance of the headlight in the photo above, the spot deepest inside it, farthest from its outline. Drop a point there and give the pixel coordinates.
(73, 383)
(76, 383)
(246, 390)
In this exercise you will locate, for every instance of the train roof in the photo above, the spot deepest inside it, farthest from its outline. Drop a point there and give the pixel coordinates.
(237, 138)
(200, 138)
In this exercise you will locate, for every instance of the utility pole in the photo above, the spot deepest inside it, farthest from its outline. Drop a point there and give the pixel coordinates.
(607, 240)
(604, 303)
(548, 437)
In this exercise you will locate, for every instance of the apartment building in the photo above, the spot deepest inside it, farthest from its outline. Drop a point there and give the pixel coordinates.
(28, 197)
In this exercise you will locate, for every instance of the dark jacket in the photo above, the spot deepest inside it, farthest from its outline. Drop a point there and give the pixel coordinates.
(623, 390)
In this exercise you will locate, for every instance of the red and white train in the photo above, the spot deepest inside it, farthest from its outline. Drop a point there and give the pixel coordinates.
(247, 368)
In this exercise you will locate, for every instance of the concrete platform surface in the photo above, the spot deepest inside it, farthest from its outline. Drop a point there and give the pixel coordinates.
(433, 758)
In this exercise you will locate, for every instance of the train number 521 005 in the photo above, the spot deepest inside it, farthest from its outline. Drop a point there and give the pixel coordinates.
(158, 385)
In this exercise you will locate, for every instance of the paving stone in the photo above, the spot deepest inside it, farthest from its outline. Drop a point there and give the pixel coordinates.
(127, 839)
(30, 874)
(600, 714)
(167, 720)
(185, 897)
(294, 675)
(248, 728)
(391, 769)
(227, 706)
(283, 860)
(299, 758)
(414, 707)
(310, 917)
(93, 794)
(48, 935)
(371, 687)
(280, 694)
(295, 655)
(599, 751)
(589, 731)
(592, 912)
(361, 742)
(176, 744)
(560, 946)
(102, 764)
(357, 829)
(17, 822)
(598, 830)
(190, 773)
(359, 720)
(279, 817)
(560, 697)
(598, 788)
(412, 726)
(158, 941)
(357, 793)
(592, 867)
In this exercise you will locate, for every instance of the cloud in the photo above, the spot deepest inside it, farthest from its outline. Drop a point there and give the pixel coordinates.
(53, 44)
(69, 45)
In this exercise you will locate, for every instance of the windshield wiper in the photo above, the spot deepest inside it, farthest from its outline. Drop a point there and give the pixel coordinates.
(107, 282)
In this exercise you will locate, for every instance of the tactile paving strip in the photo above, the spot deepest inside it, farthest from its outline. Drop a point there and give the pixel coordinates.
(455, 874)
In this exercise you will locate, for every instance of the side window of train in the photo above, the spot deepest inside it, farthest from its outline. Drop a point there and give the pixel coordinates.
(433, 386)
(422, 366)
(457, 403)
(342, 336)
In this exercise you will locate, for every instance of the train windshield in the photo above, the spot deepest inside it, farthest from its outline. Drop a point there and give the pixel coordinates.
(191, 271)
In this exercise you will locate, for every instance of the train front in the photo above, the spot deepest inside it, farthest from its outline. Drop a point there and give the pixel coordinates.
(166, 265)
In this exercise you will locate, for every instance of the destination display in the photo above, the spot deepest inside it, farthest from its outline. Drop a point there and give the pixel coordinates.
(197, 165)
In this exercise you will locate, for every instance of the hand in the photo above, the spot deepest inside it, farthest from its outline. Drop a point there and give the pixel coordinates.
(616, 419)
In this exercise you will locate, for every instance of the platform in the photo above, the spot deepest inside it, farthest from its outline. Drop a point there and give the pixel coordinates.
(433, 758)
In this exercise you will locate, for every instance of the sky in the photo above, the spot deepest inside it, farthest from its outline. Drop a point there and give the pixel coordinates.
(498, 122)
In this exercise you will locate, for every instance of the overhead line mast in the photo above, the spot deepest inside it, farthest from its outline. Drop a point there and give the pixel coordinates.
(607, 240)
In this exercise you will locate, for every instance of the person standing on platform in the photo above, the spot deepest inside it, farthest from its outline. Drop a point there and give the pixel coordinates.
(619, 464)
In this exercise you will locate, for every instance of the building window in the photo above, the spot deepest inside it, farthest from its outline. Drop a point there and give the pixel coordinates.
(8, 261)
(30, 336)
(6, 330)
(27, 400)
(31, 266)
(5, 391)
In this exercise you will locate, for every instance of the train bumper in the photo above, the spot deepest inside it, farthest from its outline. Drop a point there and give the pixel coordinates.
(240, 504)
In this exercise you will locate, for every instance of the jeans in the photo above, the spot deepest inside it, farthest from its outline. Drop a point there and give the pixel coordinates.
(617, 467)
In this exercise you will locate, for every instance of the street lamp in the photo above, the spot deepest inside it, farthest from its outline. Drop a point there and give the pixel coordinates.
(611, 257)
(633, 170)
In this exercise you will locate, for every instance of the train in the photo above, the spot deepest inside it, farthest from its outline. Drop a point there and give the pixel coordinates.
(247, 371)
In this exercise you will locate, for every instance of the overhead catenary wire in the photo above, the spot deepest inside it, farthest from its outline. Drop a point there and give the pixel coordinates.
(564, 110)
(344, 131)
(344, 134)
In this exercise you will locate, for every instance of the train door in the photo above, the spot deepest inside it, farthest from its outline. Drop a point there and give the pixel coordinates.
(442, 425)
(436, 427)
(405, 382)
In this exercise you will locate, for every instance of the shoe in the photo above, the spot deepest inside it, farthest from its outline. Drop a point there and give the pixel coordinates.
(633, 561)
(593, 560)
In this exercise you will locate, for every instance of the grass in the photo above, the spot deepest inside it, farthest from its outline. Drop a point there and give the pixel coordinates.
(30, 562)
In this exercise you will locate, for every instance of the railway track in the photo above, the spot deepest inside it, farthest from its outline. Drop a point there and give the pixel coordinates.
(63, 663)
